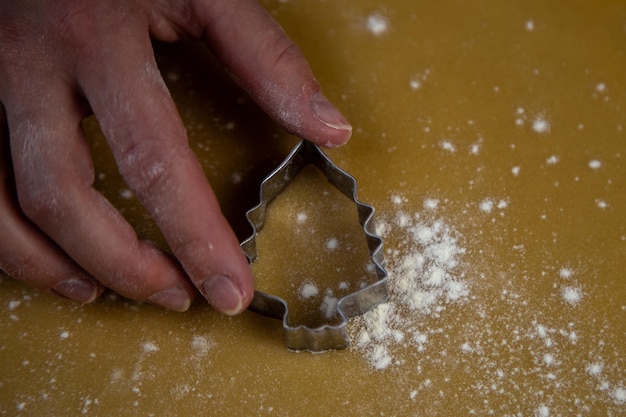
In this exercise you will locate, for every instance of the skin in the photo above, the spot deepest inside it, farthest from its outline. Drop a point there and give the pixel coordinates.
(61, 61)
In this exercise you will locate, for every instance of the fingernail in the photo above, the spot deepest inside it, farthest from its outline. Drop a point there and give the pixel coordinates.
(77, 289)
(328, 114)
(223, 294)
(176, 299)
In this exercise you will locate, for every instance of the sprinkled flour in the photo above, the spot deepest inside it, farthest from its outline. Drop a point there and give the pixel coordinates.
(377, 24)
(552, 160)
(541, 125)
(595, 164)
(572, 295)
(486, 205)
(308, 290)
(422, 278)
(446, 145)
(429, 276)
(332, 244)
(566, 273)
(150, 347)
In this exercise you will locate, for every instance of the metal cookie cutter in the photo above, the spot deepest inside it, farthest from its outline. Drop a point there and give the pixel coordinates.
(325, 337)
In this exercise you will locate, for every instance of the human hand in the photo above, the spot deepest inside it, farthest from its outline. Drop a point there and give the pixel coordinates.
(61, 61)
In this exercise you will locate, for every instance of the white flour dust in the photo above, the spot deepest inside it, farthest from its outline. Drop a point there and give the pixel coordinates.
(377, 24)
(539, 122)
(149, 347)
(308, 290)
(552, 160)
(430, 276)
(423, 278)
(595, 164)
(571, 295)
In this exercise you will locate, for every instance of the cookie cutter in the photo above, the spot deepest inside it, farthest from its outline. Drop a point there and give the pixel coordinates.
(327, 336)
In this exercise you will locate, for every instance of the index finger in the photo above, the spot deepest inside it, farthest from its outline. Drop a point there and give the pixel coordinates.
(149, 143)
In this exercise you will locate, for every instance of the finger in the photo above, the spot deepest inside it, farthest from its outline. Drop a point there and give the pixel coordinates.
(267, 64)
(25, 253)
(149, 143)
(54, 174)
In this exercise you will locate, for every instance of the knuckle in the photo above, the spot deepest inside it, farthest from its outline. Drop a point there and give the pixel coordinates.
(283, 51)
(18, 264)
(189, 247)
(167, 20)
(146, 166)
(40, 200)
(74, 23)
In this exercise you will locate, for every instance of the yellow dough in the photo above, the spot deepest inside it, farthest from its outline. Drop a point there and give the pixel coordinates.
(490, 136)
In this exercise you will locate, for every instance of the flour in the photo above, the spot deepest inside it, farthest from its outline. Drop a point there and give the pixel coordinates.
(552, 160)
(571, 295)
(377, 24)
(236, 177)
(601, 204)
(397, 199)
(308, 290)
(542, 411)
(423, 278)
(419, 79)
(446, 145)
(541, 125)
(486, 205)
(595, 369)
(548, 359)
(521, 116)
(301, 218)
(415, 84)
(329, 305)
(149, 347)
(332, 244)
(428, 275)
(126, 194)
(595, 164)
(431, 203)
(619, 395)
(201, 345)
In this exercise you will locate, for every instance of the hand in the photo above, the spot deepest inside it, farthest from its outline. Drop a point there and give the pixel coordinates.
(61, 61)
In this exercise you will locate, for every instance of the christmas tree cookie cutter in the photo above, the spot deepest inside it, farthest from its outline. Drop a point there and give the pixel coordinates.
(327, 336)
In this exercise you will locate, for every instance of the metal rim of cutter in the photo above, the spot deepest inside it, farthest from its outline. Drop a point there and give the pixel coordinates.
(325, 337)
